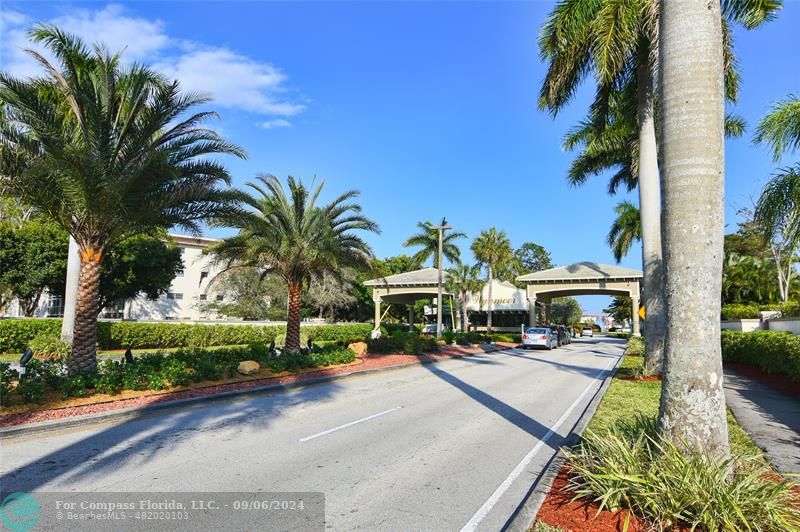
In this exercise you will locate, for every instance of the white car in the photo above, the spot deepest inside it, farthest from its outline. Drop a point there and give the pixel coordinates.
(587, 331)
(539, 337)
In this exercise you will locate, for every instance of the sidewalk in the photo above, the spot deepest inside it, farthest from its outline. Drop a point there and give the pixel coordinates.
(769, 416)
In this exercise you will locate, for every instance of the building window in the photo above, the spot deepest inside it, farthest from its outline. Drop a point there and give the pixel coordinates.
(220, 297)
(55, 306)
(203, 297)
(173, 296)
(183, 254)
(203, 276)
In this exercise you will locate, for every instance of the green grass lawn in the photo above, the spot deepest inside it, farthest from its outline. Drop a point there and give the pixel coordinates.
(624, 399)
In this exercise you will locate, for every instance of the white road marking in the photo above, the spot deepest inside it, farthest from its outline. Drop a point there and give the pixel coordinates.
(356, 422)
(484, 510)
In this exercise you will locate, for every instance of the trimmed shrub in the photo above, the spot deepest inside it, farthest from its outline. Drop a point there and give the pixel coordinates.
(342, 334)
(771, 351)
(17, 334)
(506, 337)
(635, 346)
(738, 311)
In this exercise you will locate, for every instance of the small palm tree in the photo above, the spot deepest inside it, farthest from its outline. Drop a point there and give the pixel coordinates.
(107, 154)
(290, 234)
(463, 280)
(626, 229)
(428, 240)
(491, 248)
(777, 210)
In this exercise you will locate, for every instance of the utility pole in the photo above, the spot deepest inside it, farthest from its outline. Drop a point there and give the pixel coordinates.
(441, 229)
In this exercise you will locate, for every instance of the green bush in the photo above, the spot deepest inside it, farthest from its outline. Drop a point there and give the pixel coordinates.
(7, 376)
(506, 337)
(631, 467)
(635, 346)
(738, 311)
(17, 334)
(771, 351)
(49, 345)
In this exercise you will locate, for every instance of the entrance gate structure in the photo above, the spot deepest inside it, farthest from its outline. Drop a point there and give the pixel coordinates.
(405, 289)
(582, 278)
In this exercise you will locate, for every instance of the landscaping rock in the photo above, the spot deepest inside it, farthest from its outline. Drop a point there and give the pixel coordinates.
(359, 348)
(441, 342)
(248, 367)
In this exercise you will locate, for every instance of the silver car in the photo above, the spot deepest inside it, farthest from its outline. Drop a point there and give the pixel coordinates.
(539, 337)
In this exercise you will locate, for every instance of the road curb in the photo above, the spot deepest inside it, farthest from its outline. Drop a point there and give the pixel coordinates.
(523, 517)
(122, 414)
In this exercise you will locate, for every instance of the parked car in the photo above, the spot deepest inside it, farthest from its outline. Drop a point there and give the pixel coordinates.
(561, 334)
(566, 337)
(430, 328)
(541, 337)
(587, 331)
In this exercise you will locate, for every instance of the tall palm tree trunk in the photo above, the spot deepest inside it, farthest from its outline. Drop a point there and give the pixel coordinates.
(84, 343)
(650, 214)
(293, 318)
(692, 406)
(489, 308)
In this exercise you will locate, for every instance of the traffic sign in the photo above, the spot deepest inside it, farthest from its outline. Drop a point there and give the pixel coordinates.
(642, 313)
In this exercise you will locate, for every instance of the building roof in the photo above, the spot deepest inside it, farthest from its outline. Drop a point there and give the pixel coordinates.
(425, 276)
(582, 271)
(190, 240)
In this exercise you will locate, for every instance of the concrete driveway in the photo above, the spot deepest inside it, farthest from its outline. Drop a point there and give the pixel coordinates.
(454, 445)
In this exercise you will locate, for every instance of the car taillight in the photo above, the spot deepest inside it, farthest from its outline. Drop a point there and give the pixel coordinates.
(525, 337)
(544, 337)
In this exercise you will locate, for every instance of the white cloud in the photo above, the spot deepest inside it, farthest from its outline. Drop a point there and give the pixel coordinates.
(278, 122)
(234, 80)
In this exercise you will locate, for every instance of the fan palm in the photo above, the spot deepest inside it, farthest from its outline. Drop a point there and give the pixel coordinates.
(289, 233)
(109, 154)
(617, 41)
(777, 210)
(428, 240)
(625, 230)
(463, 280)
(491, 248)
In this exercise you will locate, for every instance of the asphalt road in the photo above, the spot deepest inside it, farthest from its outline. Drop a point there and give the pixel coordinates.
(448, 446)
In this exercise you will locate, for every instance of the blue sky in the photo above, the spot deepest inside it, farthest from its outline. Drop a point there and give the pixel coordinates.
(428, 108)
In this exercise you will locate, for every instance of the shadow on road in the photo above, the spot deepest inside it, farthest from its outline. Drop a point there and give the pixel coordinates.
(147, 435)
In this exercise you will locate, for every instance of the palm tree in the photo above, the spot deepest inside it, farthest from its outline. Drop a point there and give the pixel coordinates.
(491, 248)
(428, 240)
(289, 233)
(463, 280)
(617, 42)
(110, 155)
(692, 410)
(626, 229)
(777, 210)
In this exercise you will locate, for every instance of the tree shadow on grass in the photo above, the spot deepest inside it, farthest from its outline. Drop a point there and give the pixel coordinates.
(98, 455)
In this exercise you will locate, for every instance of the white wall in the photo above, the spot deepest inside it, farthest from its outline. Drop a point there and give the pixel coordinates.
(745, 325)
(791, 325)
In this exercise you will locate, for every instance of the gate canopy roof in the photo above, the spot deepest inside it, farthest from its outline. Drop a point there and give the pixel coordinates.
(583, 271)
(582, 278)
(407, 287)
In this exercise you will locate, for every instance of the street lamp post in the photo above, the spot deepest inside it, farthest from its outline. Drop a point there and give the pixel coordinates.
(441, 229)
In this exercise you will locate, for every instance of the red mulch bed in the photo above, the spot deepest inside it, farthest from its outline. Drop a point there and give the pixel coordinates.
(779, 382)
(369, 362)
(558, 509)
(649, 378)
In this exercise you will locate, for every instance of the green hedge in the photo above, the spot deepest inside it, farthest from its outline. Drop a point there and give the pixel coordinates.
(741, 311)
(16, 334)
(155, 371)
(736, 311)
(771, 351)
